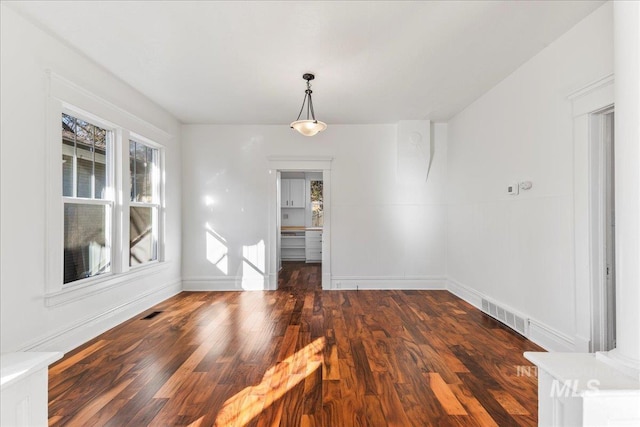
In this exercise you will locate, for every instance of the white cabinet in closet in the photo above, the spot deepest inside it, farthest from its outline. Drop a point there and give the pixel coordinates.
(313, 246)
(292, 194)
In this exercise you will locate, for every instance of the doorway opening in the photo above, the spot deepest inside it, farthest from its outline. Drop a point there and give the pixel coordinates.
(603, 249)
(300, 188)
(609, 225)
(301, 217)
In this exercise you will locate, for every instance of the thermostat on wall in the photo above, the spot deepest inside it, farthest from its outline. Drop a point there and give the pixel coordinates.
(526, 185)
(512, 189)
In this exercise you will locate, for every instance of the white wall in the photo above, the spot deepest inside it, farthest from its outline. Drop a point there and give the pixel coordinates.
(384, 234)
(518, 250)
(26, 322)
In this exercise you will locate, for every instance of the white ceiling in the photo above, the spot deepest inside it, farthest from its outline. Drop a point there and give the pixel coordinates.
(375, 61)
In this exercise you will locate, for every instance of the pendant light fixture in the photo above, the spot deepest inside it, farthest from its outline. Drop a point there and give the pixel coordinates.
(309, 126)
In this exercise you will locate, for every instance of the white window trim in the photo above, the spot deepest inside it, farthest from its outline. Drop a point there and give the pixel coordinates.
(65, 96)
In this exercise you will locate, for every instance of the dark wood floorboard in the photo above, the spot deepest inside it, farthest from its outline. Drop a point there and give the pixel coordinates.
(299, 356)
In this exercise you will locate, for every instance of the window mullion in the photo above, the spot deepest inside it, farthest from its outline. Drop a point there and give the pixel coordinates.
(74, 191)
(121, 181)
(134, 181)
(83, 201)
(93, 162)
(144, 205)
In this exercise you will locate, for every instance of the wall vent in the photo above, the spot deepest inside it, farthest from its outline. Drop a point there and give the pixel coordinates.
(512, 320)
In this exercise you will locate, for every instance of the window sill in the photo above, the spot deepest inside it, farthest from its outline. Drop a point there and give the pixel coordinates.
(92, 286)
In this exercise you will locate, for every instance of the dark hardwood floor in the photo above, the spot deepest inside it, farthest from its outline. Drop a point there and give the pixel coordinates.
(299, 357)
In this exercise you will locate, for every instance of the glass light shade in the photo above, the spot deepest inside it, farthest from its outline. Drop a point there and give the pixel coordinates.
(309, 127)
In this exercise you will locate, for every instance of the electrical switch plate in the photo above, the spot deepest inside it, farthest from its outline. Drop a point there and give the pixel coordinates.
(512, 189)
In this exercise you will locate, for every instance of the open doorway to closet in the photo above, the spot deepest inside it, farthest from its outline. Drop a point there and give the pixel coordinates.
(301, 229)
(300, 224)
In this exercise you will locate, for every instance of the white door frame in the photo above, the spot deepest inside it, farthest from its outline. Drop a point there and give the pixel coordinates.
(598, 181)
(299, 164)
(589, 104)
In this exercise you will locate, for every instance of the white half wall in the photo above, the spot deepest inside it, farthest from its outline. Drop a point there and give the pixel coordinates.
(26, 322)
(519, 250)
(384, 234)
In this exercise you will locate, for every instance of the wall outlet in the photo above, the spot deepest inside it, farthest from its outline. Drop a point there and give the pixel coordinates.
(512, 189)
(285, 216)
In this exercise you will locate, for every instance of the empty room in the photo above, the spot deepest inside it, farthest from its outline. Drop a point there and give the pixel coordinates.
(320, 213)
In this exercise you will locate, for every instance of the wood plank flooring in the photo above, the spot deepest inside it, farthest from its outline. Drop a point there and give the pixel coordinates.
(299, 357)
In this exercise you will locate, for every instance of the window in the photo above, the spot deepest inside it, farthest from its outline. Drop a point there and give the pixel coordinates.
(104, 217)
(317, 219)
(144, 205)
(88, 206)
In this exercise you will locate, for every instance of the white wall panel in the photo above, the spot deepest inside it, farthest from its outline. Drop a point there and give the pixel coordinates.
(380, 228)
(519, 250)
(27, 52)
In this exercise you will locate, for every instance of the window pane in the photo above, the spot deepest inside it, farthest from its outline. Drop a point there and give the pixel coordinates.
(85, 172)
(86, 252)
(100, 168)
(142, 163)
(101, 180)
(142, 240)
(67, 175)
(84, 151)
(317, 217)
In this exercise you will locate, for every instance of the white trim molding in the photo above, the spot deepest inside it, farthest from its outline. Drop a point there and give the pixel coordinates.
(278, 163)
(549, 338)
(471, 296)
(67, 91)
(545, 336)
(588, 220)
(71, 293)
(388, 282)
(78, 333)
(225, 283)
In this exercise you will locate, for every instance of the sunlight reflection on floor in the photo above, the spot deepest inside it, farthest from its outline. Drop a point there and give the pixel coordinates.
(276, 382)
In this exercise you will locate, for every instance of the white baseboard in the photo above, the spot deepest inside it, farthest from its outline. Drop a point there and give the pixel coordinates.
(582, 344)
(72, 336)
(545, 336)
(471, 296)
(388, 283)
(326, 282)
(225, 283)
(549, 338)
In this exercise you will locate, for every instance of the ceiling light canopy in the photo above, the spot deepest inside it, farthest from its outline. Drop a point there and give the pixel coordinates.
(309, 126)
